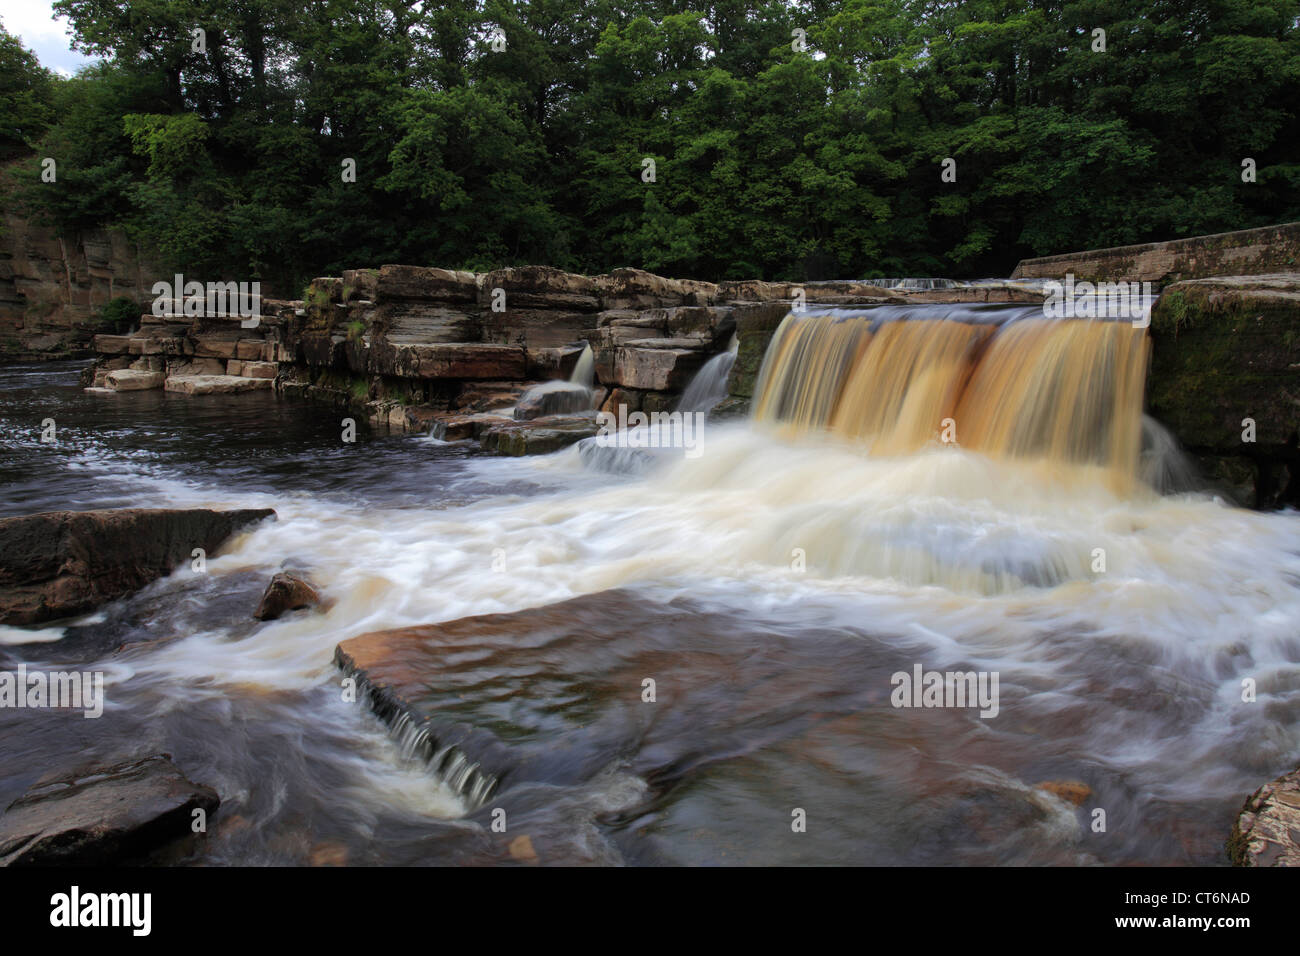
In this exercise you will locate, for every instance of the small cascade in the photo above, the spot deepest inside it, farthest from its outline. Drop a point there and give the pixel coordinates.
(584, 373)
(417, 739)
(1165, 466)
(705, 390)
(559, 397)
(709, 386)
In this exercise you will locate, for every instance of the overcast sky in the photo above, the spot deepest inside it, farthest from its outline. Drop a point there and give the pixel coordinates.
(32, 20)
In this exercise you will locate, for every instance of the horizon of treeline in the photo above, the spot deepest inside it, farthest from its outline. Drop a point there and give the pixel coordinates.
(727, 140)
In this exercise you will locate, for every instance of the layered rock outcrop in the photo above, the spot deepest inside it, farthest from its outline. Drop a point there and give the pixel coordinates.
(1267, 830)
(103, 815)
(63, 563)
(52, 288)
(435, 350)
(424, 348)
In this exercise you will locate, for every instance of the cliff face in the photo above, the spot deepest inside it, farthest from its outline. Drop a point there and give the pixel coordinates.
(51, 289)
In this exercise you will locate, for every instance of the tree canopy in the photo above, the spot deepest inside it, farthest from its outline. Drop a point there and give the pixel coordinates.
(782, 140)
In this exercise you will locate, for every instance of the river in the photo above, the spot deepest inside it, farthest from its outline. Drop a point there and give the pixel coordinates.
(771, 588)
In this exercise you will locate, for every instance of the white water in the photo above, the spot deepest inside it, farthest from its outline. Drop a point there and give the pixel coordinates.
(709, 386)
(584, 372)
(945, 539)
(940, 550)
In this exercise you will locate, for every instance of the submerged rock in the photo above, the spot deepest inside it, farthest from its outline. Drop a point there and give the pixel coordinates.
(541, 436)
(1267, 830)
(286, 592)
(103, 815)
(553, 398)
(62, 563)
(1071, 791)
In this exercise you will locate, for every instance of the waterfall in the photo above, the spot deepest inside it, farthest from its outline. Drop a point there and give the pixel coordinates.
(1001, 380)
(709, 386)
(584, 373)
(559, 397)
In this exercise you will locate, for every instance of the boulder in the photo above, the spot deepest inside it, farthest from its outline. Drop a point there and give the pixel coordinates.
(754, 290)
(97, 374)
(621, 398)
(454, 427)
(222, 344)
(286, 592)
(1267, 830)
(541, 436)
(363, 283)
(538, 287)
(975, 293)
(152, 345)
(535, 328)
(103, 815)
(413, 322)
(198, 366)
(553, 398)
(1224, 351)
(133, 380)
(112, 344)
(259, 369)
(655, 369)
(461, 427)
(557, 362)
(215, 384)
(465, 360)
(253, 350)
(755, 325)
(424, 282)
(620, 326)
(63, 563)
(485, 396)
(637, 289)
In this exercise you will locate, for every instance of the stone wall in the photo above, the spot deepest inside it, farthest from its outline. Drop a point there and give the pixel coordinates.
(51, 289)
(1246, 252)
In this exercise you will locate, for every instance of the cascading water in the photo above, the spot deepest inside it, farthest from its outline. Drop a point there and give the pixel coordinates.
(709, 386)
(1000, 380)
(584, 373)
(559, 397)
(654, 446)
(771, 586)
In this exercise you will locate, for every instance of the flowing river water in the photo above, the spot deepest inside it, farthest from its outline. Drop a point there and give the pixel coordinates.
(771, 587)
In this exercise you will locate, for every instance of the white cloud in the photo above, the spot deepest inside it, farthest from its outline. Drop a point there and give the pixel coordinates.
(33, 21)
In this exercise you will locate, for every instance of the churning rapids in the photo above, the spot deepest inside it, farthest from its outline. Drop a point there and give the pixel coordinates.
(770, 586)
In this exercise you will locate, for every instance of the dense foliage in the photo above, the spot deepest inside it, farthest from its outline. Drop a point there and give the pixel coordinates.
(769, 161)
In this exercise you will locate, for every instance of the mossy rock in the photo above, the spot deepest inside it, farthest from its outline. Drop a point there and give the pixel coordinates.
(1225, 350)
(755, 325)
